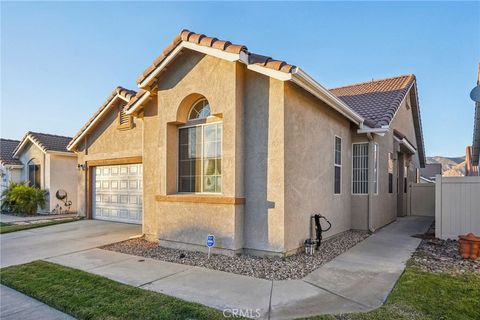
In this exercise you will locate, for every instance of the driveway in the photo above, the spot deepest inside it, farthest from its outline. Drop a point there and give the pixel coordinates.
(42, 243)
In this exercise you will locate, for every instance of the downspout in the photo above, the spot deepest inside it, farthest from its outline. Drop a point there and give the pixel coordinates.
(85, 185)
(370, 183)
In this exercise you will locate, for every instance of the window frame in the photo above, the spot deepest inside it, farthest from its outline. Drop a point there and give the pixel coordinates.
(335, 165)
(390, 173)
(192, 108)
(37, 170)
(376, 161)
(194, 124)
(368, 172)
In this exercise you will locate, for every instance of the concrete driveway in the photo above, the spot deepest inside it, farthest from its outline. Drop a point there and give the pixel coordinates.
(46, 242)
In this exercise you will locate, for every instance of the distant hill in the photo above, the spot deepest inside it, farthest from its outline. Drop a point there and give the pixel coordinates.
(453, 166)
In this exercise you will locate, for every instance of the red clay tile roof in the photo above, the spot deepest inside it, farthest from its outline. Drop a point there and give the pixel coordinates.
(129, 95)
(376, 101)
(7, 147)
(48, 142)
(227, 46)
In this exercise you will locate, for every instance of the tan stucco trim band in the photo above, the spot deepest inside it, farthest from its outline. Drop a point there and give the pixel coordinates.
(200, 199)
(109, 162)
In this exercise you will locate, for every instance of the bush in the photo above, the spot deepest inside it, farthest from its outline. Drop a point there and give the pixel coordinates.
(20, 198)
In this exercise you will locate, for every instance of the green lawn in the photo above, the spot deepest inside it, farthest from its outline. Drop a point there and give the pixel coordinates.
(427, 296)
(88, 296)
(8, 227)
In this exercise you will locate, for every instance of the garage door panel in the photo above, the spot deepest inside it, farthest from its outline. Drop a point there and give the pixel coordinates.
(118, 193)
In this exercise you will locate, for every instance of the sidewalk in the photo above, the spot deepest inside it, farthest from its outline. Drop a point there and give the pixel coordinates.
(358, 280)
(15, 305)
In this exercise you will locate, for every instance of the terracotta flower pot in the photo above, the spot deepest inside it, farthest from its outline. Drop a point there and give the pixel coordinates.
(469, 246)
(464, 248)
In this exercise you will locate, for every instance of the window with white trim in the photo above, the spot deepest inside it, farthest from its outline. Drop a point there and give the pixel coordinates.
(200, 153)
(337, 166)
(34, 173)
(360, 168)
(390, 172)
(375, 168)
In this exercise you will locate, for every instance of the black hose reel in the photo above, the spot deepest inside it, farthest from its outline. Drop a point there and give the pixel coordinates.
(315, 221)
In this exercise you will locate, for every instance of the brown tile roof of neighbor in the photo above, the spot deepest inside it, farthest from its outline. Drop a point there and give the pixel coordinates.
(130, 95)
(227, 46)
(7, 147)
(376, 101)
(48, 142)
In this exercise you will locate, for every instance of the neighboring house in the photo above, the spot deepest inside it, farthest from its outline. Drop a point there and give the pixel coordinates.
(10, 168)
(428, 174)
(48, 164)
(472, 157)
(220, 140)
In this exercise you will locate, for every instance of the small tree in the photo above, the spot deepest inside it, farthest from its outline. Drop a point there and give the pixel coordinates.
(21, 198)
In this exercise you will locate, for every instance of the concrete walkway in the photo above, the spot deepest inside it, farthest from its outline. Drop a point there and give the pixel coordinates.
(358, 280)
(15, 305)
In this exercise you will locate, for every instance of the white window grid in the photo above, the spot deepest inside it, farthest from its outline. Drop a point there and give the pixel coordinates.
(360, 168)
(201, 176)
(337, 161)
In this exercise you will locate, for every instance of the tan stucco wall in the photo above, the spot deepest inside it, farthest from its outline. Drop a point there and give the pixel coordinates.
(310, 130)
(63, 175)
(191, 75)
(264, 164)
(106, 141)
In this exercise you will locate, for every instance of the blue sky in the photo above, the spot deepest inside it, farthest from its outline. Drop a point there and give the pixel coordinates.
(61, 60)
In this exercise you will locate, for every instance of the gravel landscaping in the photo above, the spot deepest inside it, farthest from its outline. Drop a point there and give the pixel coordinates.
(273, 268)
(436, 255)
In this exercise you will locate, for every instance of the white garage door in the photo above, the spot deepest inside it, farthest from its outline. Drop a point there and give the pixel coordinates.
(118, 193)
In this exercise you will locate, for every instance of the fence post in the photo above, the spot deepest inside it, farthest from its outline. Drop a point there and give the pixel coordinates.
(438, 206)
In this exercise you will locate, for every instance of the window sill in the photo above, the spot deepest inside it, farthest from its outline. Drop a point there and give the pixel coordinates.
(196, 198)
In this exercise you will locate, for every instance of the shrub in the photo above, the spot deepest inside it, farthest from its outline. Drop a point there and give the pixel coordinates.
(21, 198)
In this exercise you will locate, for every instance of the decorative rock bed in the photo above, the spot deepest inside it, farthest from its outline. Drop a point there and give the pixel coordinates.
(436, 255)
(272, 268)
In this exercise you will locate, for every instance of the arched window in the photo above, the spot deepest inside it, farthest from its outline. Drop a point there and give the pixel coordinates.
(34, 173)
(200, 110)
(200, 153)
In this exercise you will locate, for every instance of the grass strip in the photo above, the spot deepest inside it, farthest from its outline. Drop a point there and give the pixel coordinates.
(88, 296)
(10, 227)
(420, 295)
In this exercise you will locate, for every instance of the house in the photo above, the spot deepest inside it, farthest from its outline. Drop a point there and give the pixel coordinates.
(428, 174)
(220, 140)
(10, 168)
(45, 162)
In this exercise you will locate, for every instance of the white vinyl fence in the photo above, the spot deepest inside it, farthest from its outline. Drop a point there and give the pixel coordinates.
(457, 206)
